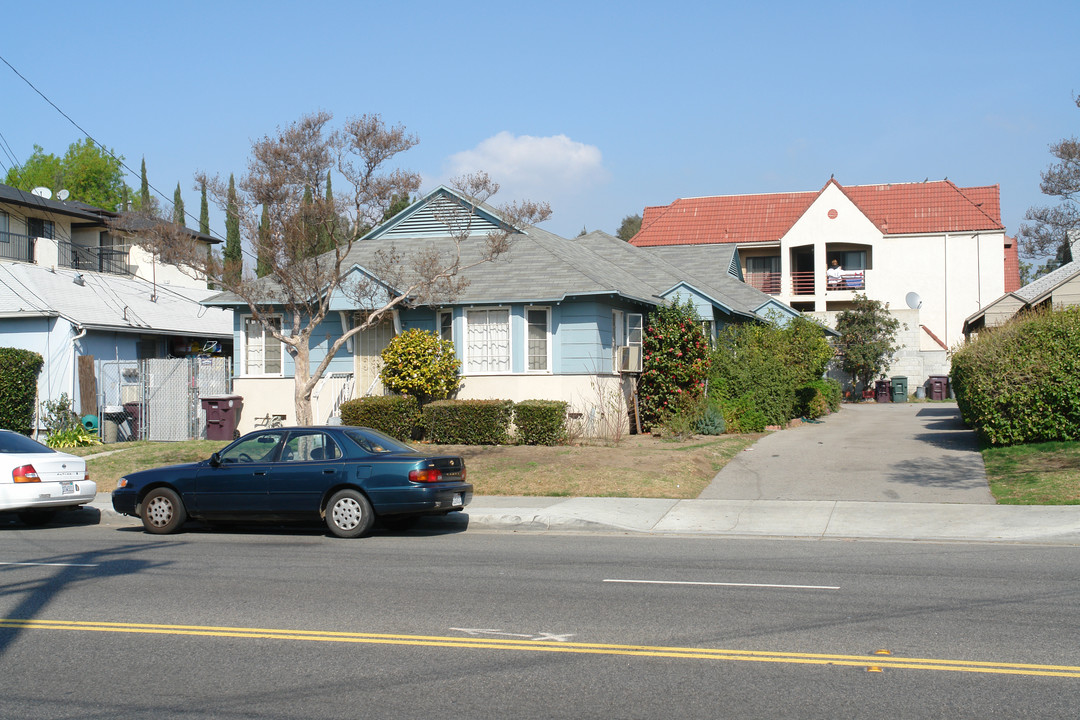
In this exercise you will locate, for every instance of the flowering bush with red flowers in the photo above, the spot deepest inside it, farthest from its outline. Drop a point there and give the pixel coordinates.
(675, 363)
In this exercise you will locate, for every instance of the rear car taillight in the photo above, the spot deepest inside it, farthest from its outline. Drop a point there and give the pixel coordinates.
(25, 474)
(425, 476)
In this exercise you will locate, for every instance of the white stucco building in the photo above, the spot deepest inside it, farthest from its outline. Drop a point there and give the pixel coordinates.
(933, 251)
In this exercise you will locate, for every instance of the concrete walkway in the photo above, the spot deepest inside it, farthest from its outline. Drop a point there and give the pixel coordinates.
(883, 472)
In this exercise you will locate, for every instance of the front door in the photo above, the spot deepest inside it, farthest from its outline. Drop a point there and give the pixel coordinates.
(237, 485)
(368, 357)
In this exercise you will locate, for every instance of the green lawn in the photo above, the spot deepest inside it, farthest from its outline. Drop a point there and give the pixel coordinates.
(1036, 474)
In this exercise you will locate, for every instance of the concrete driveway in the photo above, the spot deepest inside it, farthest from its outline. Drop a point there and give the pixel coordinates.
(872, 452)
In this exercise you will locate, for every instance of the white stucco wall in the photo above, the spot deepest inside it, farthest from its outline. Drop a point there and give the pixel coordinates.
(145, 267)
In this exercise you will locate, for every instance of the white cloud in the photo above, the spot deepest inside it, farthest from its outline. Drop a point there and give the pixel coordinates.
(540, 168)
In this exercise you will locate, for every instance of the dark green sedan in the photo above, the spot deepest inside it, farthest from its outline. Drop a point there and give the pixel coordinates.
(345, 476)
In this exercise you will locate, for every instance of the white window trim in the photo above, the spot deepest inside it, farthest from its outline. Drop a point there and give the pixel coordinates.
(547, 344)
(243, 347)
(509, 340)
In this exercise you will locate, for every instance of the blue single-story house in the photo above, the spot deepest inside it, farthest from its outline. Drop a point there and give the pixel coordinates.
(552, 318)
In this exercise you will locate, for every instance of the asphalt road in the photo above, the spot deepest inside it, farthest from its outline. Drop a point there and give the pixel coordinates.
(107, 621)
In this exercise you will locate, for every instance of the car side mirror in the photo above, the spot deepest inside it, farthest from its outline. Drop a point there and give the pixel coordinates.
(215, 460)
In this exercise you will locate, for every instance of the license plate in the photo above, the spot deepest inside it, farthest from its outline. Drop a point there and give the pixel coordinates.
(458, 500)
(67, 488)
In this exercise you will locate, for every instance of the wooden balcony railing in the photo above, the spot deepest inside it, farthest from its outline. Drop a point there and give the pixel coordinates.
(802, 283)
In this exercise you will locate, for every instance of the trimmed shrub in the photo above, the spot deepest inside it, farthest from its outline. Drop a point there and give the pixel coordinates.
(1020, 383)
(742, 415)
(395, 415)
(18, 388)
(419, 363)
(468, 422)
(540, 422)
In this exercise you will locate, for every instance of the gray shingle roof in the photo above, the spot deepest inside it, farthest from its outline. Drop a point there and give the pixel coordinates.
(105, 301)
(544, 267)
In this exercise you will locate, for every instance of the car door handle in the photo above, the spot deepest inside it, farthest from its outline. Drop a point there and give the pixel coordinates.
(329, 471)
(260, 472)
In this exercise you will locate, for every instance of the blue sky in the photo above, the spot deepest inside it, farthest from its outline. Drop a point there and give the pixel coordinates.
(599, 108)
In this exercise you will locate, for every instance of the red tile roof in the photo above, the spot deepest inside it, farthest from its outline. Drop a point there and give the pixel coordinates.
(896, 209)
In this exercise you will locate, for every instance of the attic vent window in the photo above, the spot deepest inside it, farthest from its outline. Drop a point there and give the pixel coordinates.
(833, 214)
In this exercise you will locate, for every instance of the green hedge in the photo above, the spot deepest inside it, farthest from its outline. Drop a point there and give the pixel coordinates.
(18, 388)
(395, 415)
(817, 398)
(468, 422)
(540, 422)
(1020, 383)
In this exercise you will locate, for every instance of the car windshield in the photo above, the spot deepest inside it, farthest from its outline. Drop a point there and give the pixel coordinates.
(13, 442)
(373, 441)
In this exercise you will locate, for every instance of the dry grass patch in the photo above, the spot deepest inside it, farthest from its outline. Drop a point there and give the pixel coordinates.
(639, 466)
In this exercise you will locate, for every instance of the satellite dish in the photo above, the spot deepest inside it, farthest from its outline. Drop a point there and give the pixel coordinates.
(913, 300)
(42, 192)
(63, 195)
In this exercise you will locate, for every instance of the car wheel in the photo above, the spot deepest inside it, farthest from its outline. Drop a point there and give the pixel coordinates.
(36, 517)
(349, 514)
(162, 511)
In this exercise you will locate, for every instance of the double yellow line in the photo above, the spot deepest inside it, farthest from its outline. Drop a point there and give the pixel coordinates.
(869, 662)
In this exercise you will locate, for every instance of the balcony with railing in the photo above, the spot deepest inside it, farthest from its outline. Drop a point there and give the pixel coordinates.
(766, 282)
(16, 247)
(101, 259)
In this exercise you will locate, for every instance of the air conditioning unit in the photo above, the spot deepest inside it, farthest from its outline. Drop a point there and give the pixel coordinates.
(629, 358)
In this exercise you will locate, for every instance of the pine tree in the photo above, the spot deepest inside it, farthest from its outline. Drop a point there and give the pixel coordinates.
(262, 266)
(178, 207)
(234, 260)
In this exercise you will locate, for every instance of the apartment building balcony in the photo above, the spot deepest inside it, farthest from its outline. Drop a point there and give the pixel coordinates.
(16, 247)
(100, 259)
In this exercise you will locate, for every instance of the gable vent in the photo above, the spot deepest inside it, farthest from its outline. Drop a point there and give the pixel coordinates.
(733, 266)
(435, 220)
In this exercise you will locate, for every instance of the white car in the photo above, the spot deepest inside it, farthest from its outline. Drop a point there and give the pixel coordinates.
(36, 480)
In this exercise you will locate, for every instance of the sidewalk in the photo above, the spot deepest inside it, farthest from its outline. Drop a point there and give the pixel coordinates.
(806, 519)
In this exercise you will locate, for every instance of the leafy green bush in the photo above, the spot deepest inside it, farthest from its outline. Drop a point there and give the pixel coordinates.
(676, 361)
(395, 415)
(419, 363)
(18, 388)
(817, 398)
(468, 422)
(742, 415)
(767, 363)
(540, 422)
(682, 417)
(71, 437)
(1020, 383)
(58, 415)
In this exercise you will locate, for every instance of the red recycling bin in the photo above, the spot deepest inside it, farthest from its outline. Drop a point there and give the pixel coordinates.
(222, 415)
(939, 387)
(883, 391)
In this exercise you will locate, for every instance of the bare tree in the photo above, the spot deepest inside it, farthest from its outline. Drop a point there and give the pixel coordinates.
(1047, 229)
(295, 162)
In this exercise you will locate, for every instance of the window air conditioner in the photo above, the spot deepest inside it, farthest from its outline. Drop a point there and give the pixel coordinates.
(630, 359)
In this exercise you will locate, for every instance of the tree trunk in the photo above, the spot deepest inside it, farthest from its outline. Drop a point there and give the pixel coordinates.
(302, 387)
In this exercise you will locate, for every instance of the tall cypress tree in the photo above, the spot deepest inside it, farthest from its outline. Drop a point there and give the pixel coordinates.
(204, 214)
(178, 207)
(262, 264)
(144, 190)
(326, 240)
(234, 260)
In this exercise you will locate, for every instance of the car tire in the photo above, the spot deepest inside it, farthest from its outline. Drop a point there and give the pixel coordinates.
(349, 514)
(36, 518)
(162, 511)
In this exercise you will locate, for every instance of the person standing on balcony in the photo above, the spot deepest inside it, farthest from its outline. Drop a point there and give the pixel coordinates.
(834, 276)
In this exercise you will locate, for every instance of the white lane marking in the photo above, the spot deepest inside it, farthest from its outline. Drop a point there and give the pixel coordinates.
(52, 564)
(727, 584)
(551, 637)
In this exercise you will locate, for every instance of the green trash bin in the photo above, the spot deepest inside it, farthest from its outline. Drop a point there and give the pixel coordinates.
(899, 388)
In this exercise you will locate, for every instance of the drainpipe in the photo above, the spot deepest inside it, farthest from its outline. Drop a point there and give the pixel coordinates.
(74, 361)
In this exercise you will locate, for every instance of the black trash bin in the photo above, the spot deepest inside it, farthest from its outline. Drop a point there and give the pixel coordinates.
(882, 391)
(222, 415)
(939, 387)
(899, 388)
